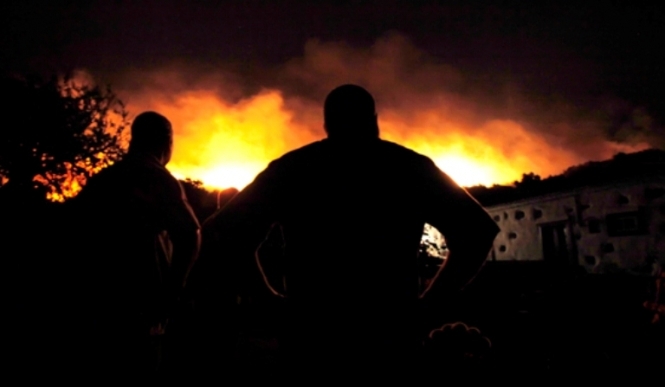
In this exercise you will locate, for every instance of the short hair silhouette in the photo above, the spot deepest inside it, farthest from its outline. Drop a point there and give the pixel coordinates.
(349, 112)
(151, 133)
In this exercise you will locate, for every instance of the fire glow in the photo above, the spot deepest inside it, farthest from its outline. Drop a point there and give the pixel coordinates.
(226, 144)
(229, 125)
(224, 134)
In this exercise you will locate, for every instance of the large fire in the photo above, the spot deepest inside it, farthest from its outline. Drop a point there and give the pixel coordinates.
(227, 144)
(226, 132)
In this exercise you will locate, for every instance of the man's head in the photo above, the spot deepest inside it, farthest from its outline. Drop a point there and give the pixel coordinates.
(349, 114)
(152, 135)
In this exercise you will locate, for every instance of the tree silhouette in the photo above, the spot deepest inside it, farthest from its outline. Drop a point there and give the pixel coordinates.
(57, 133)
(529, 180)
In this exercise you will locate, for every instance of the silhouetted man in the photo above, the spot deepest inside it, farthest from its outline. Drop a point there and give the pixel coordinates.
(352, 209)
(141, 238)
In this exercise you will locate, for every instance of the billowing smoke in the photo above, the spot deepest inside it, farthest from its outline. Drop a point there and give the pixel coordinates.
(229, 123)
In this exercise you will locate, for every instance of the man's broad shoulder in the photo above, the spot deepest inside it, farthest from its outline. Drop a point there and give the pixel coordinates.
(406, 156)
(322, 146)
(304, 152)
(163, 174)
(304, 155)
(322, 151)
(130, 174)
(402, 150)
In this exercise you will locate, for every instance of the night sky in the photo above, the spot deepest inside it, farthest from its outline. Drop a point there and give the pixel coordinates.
(556, 48)
(544, 66)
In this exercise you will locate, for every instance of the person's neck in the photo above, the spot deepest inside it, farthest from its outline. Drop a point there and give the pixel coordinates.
(147, 156)
(353, 141)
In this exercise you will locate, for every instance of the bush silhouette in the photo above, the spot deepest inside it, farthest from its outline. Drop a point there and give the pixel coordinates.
(57, 133)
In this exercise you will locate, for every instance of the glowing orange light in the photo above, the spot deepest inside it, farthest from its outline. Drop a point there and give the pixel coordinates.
(227, 143)
(465, 171)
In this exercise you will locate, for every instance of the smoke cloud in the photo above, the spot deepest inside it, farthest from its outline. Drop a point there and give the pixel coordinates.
(230, 123)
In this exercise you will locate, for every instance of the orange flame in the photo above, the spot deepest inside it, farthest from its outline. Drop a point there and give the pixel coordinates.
(227, 144)
(71, 183)
(422, 104)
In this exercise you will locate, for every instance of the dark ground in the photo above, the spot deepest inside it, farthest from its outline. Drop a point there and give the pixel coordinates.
(540, 324)
(543, 323)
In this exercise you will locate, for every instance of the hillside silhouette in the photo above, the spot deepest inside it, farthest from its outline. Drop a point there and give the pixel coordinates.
(621, 168)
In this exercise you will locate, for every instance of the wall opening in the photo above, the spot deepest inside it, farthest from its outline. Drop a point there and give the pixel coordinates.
(607, 248)
(555, 243)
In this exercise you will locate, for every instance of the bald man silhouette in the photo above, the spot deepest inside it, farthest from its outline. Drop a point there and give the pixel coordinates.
(352, 209)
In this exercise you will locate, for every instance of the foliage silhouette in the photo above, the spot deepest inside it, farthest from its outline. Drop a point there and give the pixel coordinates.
(529, 180)
(57, 133)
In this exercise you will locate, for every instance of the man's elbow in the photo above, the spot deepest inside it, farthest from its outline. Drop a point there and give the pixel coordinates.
(197, 244)
(493, 230)
(489, 230)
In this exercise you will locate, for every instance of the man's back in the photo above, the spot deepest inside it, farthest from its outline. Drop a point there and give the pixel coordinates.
(129, 247)
(352, 217)
(352, 210)
(139, 237)
(136, 217)
(137, 188)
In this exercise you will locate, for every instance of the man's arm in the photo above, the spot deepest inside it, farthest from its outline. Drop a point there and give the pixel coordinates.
(185, 233)
(267, 266)
(236, 231)
(468, 229)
